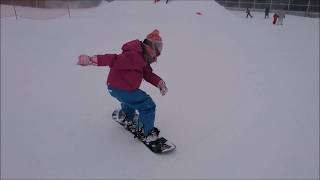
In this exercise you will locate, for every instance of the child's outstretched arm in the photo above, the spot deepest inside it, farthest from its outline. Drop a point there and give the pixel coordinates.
(97, 60)
(85, 60)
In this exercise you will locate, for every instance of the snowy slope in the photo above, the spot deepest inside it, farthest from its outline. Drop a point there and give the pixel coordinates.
(243, 98)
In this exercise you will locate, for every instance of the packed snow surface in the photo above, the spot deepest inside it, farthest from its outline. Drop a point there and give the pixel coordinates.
(243, 98)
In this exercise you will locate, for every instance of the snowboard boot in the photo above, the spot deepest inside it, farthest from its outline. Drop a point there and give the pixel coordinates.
(122, 118)
(153, 135)
(155, 142)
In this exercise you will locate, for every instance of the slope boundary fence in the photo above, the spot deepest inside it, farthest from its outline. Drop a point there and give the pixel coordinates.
(52, 9)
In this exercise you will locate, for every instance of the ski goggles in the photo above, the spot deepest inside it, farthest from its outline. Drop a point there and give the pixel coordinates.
(157, 46)
(152, 55)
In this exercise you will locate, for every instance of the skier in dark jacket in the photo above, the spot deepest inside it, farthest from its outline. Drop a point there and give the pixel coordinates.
(266, 12)
(248, 13)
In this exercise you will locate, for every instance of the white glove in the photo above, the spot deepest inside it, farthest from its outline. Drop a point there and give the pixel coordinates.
(85, 60)
(162, 87)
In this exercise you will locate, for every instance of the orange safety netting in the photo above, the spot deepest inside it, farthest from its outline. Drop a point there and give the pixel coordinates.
(31, 12)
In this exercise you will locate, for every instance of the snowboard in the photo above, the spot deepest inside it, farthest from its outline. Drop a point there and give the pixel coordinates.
(159, 146)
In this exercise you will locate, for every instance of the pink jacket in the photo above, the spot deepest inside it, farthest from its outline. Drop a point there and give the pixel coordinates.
(128, 68)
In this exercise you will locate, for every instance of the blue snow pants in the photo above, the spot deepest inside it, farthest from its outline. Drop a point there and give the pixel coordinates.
(136, 100)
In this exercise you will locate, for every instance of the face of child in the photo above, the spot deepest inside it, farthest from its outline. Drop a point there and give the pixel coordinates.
(153, 52)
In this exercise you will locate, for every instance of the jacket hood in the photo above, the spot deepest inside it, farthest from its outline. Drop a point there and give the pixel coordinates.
(132, 46)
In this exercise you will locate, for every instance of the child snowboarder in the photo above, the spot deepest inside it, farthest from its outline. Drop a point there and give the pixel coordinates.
(248, 13)
(275, 18)
(126, 73)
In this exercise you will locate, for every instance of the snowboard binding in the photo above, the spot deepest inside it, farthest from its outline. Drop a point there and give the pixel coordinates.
(153, 141)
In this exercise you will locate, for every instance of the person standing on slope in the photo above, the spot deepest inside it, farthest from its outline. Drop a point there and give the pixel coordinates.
(275, 18)
(266, 12)
(248, 13)
(127, 70)
(282, 15)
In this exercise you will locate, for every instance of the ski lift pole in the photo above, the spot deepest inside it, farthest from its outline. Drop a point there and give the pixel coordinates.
(15, 11)
(69, 10)
(308, 8)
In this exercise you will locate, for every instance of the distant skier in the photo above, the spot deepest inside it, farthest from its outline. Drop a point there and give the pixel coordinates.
(248, 13)
(127, 70)
(275, 18)
(155, 1)
(266, 12)
(282, 15)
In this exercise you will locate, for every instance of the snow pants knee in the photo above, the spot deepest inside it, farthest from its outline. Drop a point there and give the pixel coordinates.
(136, 100)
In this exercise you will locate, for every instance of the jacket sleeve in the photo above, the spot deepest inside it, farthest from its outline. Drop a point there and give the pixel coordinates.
(124, 61)
(151, 77)
(106, 59)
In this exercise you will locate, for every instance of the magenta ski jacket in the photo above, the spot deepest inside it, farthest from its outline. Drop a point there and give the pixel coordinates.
(128, 68)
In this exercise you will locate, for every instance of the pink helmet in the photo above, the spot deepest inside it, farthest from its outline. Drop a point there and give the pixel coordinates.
(154, 41)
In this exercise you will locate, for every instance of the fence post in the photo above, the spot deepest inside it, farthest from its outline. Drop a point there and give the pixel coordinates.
(69, 10)
(308, 9)
(15, 12)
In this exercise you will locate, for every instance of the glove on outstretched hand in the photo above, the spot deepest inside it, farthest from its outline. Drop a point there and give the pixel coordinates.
(163, 88)
(85, 60)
